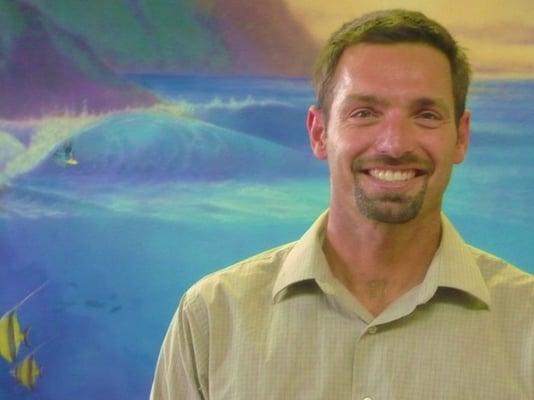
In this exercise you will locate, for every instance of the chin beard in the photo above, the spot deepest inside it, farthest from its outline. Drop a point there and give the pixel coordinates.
(390, 209)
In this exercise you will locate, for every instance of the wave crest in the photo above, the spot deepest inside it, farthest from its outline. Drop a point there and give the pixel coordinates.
(154, 146)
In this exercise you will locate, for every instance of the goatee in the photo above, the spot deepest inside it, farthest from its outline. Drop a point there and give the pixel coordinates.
(391, 208)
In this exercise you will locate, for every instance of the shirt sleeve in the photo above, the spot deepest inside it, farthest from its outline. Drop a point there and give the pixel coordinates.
(183, 357)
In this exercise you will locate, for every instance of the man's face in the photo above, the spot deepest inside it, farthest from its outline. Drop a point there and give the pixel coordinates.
(391, 138)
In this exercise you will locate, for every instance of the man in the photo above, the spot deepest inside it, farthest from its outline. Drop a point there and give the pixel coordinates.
(381, 298)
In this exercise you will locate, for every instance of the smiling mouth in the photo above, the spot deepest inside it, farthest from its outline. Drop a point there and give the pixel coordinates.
(389, 175)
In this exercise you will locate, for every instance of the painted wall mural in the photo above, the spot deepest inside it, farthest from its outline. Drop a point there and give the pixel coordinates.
(144, 144)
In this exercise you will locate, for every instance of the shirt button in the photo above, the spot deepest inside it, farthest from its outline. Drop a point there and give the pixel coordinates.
(371, 330)
(368, 398)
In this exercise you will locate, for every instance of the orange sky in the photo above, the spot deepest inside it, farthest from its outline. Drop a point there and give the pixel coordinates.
(498, 35)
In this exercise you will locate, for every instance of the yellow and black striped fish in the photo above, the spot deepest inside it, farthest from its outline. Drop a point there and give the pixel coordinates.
(11, 336)
(11, 333)
(27, 372)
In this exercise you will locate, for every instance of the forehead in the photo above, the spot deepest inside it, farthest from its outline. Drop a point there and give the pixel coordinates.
(394, 70)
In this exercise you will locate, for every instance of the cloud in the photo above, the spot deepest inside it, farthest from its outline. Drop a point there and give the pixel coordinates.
(500, 39)
(489, 58)
(499, 32)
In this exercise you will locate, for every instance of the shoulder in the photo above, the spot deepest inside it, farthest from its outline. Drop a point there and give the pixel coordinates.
(251, 278)
(499, 272)
(506, 282)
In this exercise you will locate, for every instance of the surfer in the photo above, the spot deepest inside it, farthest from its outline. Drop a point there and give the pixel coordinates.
(66, 155)
(69, 155)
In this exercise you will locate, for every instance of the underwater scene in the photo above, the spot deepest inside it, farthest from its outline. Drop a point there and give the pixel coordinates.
(106, 219)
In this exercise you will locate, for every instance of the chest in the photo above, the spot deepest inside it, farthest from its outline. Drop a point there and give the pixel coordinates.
(309, 351)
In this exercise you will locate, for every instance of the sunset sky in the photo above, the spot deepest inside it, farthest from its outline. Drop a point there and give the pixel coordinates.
(499, 36)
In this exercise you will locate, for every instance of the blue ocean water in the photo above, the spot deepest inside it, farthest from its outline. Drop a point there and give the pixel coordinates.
(163, 196)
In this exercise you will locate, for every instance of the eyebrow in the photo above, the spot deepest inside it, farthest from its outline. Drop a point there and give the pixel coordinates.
(365, 98)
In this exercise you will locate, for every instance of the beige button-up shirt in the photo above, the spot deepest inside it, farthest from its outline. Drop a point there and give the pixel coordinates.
(280, 326)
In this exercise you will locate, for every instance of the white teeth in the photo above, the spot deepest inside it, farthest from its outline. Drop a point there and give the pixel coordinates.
(391, 176)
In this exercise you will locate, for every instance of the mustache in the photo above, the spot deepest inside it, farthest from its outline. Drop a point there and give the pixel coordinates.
(386, 160)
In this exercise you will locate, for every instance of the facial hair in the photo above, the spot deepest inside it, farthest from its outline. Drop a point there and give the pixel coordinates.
(394, 208)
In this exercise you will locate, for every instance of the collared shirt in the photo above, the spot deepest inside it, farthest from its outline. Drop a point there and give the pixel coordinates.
(281, 326)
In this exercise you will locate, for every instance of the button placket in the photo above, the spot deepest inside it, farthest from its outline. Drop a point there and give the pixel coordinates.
(360, 382)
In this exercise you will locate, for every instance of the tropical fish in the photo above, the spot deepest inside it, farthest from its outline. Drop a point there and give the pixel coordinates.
(11, 336)
(11, 333)
(27, 371)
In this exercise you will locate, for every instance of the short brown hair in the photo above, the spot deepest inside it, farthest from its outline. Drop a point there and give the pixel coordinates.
(390, 27)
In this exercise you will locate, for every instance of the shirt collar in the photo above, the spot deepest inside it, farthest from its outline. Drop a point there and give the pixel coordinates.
(306, 260)
(452, 266)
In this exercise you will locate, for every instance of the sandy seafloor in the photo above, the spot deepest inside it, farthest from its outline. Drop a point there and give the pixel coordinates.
(163, 196)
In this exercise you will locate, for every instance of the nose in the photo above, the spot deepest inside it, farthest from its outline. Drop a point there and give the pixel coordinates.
(396, 137)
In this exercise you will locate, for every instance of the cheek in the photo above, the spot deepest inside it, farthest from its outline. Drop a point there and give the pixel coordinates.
(341, 153)
(441, 151)
(443, 165)
(340, 161)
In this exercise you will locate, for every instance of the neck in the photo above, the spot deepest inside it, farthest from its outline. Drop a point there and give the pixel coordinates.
(379, 262)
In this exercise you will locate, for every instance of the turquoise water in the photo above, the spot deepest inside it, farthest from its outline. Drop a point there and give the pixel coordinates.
(161, 197)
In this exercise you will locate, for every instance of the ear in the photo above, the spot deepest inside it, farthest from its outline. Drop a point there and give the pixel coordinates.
(462, 143)
(315, 122)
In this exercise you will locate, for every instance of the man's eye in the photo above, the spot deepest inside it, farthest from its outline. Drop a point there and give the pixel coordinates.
(429, 115)
(362, 114)
(429, 119)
